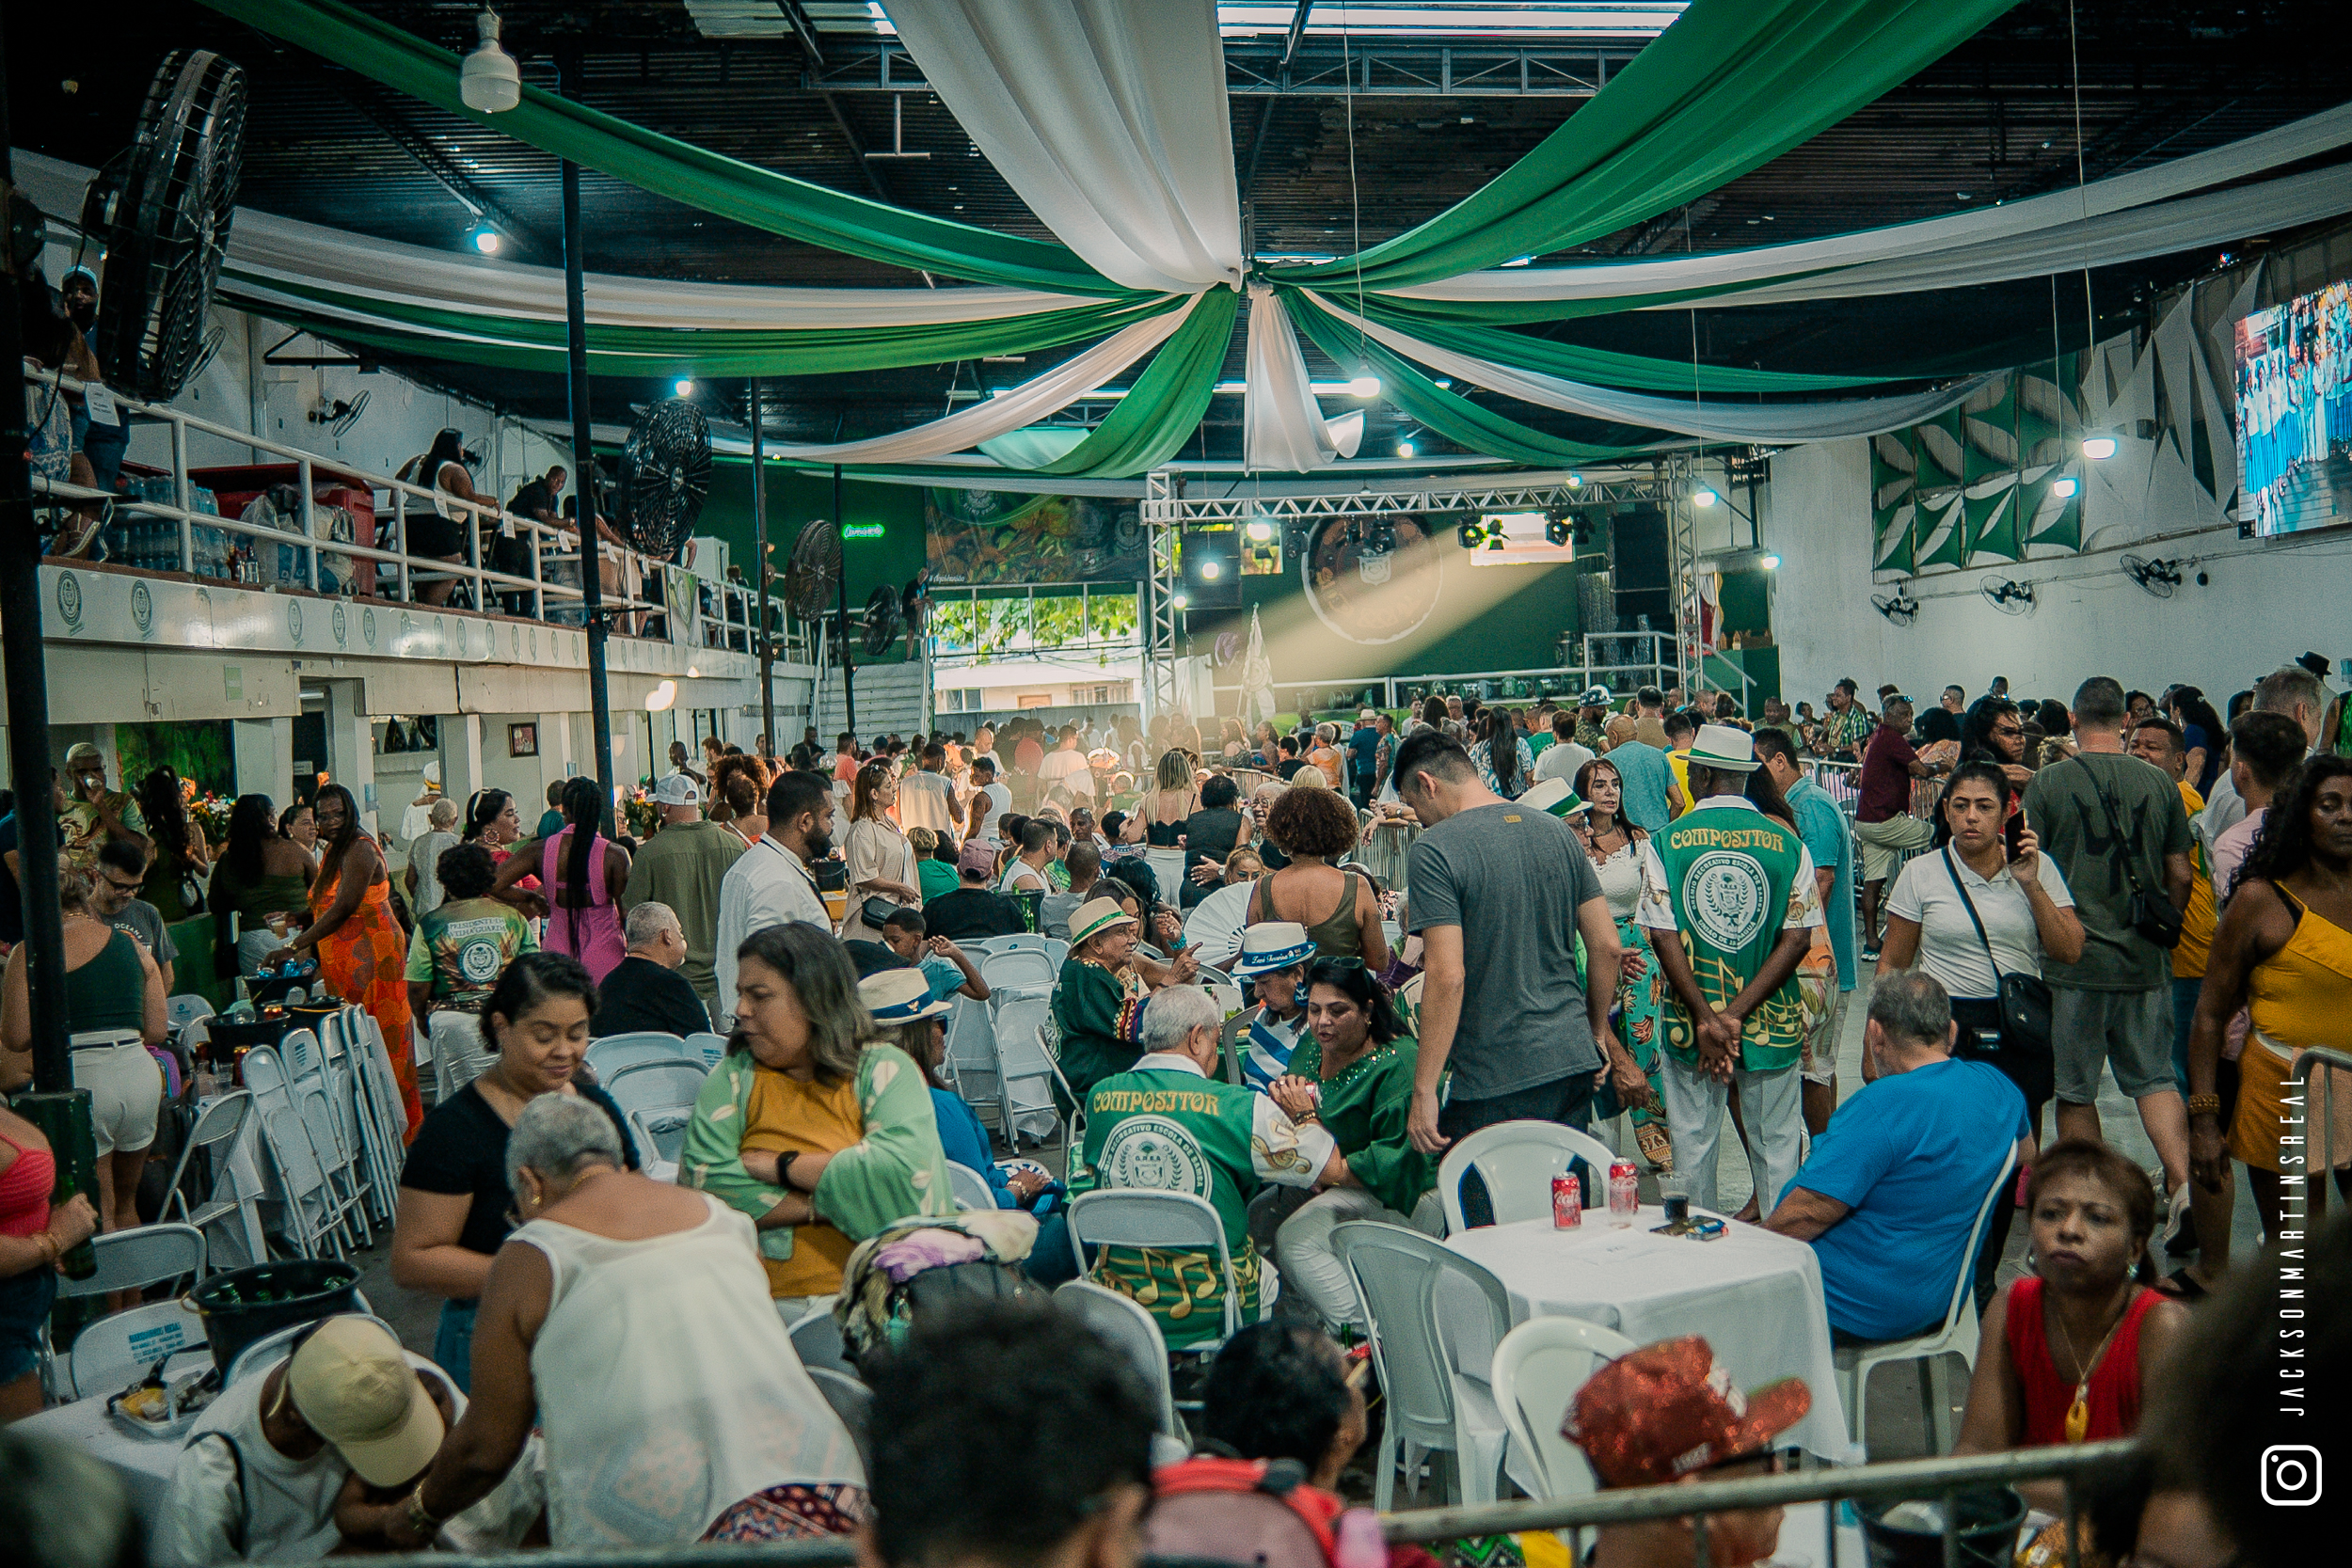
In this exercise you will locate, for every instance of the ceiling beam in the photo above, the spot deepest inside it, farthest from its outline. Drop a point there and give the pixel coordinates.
(1266, 115)
(381, 109)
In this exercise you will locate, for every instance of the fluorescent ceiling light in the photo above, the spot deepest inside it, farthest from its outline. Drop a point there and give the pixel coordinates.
(2063, 489)
(1544, 19)
(2098, 448)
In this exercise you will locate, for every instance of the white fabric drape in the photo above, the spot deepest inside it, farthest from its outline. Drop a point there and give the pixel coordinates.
(1714, 421)
(2041, 214)
(1282, 426)
(992, 417)
(267, 248)
(1107, 117)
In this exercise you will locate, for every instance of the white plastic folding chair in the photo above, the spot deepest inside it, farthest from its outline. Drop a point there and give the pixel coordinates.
(1026, 1076)
(371, 1105)
(706, 1048)
(971, 1188)
(331, 1136)
(658, 1098)
(1534, 1375)
(1955, 1336)
(215, 1132)
(110, 1353)
(1057, 953)
(385, 1098)
(1135, 1332)
(1138, 1217)
(460, 1054)
(1435, 1318)
(612, 1053)
(271, 1348)
(1516, 1159)
(1023, 969)
(971, 1057)
(1023, 941)
(181, 1011)
(309, 1204)
(851, 1401)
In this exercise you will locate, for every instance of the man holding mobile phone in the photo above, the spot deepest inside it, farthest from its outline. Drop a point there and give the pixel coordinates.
(96, 816)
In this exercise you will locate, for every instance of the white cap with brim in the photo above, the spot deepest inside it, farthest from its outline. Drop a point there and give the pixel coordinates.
(352, 1384)
(675, 789)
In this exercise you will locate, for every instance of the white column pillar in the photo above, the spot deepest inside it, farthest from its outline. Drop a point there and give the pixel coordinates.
(555, 751)
(263, 752)
(461, 755)
(562, 743)
(351, 755)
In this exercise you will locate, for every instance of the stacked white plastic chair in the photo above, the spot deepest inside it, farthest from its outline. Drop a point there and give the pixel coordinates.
(305, 1059)
(309, 1206)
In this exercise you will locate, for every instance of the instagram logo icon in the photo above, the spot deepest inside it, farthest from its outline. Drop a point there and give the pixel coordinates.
(2290, 1475)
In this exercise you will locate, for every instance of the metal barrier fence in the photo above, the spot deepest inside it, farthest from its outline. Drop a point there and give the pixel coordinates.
(726, 620)
(1928, 1480)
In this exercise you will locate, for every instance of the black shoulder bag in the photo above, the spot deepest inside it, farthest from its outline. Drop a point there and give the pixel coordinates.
(2151, 914)
(2024, 1001)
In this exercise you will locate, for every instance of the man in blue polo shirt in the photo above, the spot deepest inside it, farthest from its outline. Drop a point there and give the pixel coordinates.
(1891, 1194)
(1823, 826)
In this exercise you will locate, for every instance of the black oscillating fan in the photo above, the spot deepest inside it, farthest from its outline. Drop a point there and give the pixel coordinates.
(812, 574)
(162, 209)
(665, 473)
(883, 619)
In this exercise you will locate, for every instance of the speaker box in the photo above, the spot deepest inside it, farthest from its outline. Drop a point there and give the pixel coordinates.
(1639, 545)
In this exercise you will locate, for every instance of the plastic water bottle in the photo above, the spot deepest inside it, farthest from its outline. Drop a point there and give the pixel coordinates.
(1625, 1193)
(1359, 1544)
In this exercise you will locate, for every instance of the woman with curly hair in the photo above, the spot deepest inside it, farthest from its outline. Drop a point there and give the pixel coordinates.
(740, 784)
(1338, 905)
(181, 853)
(2281, 950)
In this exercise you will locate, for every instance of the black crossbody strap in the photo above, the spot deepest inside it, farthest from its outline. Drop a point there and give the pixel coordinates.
(2115, 825)
(1960, 887)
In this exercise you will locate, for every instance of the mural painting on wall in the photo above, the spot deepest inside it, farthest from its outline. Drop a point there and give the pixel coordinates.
(1988, 481)
(983, 537)
(1372, 579)
(198, 750)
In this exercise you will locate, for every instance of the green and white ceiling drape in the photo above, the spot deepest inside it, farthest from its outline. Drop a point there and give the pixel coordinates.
(1110, 119)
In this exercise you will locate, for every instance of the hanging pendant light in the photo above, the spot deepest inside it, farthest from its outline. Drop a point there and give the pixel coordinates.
(489, 82)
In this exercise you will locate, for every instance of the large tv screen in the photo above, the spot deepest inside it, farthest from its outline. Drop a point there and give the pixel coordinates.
(2295, 413)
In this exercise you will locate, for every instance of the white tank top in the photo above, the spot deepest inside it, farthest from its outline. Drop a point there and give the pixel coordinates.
(667, 1387)
(1621, 882)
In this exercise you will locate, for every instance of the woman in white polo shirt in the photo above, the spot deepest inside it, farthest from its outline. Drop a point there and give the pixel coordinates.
(2026, 915)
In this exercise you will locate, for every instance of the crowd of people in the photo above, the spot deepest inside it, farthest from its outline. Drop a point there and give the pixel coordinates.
(1655, 914)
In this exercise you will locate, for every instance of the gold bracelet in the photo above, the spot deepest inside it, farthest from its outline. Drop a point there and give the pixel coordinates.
(2204, 1105)
(420, 1518)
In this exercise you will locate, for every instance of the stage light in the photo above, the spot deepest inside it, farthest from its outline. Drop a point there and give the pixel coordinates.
(2098, 448)
(1364, 386)
(486, 239)
(1576, 481)
(1180, 598)
(1210, 569)
(1771, 563)
(490, 81)
(1260, 530)
(1404, 448)
(1704, 497)
(1468, 534)
(2063, 488)
(685, 387)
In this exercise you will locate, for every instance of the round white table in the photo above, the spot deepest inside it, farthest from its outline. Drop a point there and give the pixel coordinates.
(1756, 1296)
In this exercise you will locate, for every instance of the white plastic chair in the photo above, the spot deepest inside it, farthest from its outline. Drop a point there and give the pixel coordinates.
(108, 1355)
(1436, 1318)
(658, 1098)
(1023, 941)
(181, 1011)
(970, 1060)
(1534, 1375)
(612, 1053)
(1134, 1332)
(1026, 1076)
(1057, 952)
(852, 1401)
(1518, 1160)
(1023, 969)
(1135, 1217)
(313, 1098)
(817, 1340)
(312, 1204)
(215, 1130)
(1956, 1336)
(272, 1348)
(971, 1188)
(706, 1048)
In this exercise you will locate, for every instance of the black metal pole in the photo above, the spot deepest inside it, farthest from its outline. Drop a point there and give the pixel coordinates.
(583, 445)
(760, 575)
(849, 672)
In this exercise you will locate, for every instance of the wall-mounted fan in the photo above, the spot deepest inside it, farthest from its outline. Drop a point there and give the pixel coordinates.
(339, 414)
(812, 574)
(2159, 578)
(882, 620)
(2008, 596)
(162, 210)
(665, 473)
(1898, 607)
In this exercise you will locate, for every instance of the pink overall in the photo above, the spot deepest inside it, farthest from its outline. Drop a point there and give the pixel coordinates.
(593, 934)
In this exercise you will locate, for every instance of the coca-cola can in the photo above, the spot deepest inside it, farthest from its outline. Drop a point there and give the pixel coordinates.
(1567, 1202)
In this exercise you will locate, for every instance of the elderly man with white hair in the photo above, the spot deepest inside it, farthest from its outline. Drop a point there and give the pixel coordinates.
(1167, 1125)
(645, 992)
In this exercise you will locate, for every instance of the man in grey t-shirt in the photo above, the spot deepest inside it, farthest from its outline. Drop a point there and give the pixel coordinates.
(114, 898)
(1500, 889)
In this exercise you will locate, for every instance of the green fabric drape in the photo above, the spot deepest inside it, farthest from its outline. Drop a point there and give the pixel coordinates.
(760, 197)
(527, 344)
(1732, 84)
(1456, 417)
(1604, 367)
(1164, 407)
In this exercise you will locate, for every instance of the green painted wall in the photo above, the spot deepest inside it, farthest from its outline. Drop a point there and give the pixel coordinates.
(797, 496)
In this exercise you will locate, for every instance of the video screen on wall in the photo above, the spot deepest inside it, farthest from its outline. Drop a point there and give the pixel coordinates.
(2295, 413)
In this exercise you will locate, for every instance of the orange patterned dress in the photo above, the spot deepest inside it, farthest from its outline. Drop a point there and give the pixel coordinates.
(365, 961)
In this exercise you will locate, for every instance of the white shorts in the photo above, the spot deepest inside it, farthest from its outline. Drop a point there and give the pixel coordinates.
(126, 1091)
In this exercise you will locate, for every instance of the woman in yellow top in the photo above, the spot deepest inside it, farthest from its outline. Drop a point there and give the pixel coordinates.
(810, 1124)
(2283, 951)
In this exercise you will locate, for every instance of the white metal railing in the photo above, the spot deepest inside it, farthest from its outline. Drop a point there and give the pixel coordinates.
(720, 614)
(1603, 666)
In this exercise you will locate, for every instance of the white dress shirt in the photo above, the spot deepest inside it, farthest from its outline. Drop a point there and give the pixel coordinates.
(768, 886)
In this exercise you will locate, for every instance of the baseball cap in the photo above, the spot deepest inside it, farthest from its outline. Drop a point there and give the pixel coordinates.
(978, 857)
(350, 1383)
(1667, 1409)
(674, 789)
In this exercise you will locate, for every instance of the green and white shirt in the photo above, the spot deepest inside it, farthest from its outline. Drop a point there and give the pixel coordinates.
(1166, 1126)
(1729, 880)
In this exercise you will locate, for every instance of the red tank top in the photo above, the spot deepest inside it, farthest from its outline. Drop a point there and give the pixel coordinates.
(2113, 1395)
(24, 1189)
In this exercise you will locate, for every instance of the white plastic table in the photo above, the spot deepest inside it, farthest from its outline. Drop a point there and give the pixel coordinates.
(143, 1463)
(1755, 1295)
